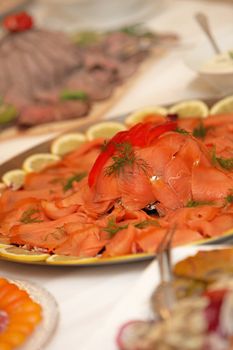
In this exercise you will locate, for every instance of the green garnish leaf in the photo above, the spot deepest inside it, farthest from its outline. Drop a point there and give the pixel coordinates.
(226, 163)
(182, 131)
(193, 204)
(112, 228)
(125, 156)
(137, 30)
(230, 53)
(8, 113)
(57, 234)
(73, 95)
(229, 198)
(87, 38)
(146, 223)
(28, 216)
(104, 146)
(200, 131)
(75, 178)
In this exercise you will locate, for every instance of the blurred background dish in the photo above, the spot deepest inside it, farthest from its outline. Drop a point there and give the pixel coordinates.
(199, 60)
(92, 14)
(7, 6)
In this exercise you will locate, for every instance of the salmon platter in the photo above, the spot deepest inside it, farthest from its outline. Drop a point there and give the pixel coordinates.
(112, 197)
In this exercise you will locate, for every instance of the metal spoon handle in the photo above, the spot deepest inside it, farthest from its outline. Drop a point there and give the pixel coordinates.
(204, 24)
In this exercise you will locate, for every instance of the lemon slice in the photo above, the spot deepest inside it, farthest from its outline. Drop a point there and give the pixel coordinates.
(139, 115)
(4, 245)
(223, 106)
(104, 129)
(192, 108)
(23, 255)
(69, 260)
(14, 178)
(67, 143)
(37, 162)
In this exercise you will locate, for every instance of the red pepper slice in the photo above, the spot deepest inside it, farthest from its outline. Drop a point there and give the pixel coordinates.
(156, 131)
(140, 135)
(18, 22)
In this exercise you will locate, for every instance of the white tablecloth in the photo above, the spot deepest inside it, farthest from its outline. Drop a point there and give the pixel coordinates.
(87, 295)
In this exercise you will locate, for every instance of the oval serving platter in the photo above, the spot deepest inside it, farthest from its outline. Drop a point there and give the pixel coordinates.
(59, 260)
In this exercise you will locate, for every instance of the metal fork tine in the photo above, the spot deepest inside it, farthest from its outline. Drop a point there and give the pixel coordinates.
(164, 297)
(164, 255)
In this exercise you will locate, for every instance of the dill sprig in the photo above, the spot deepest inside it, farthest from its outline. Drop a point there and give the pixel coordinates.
(75, 178)
(28, 216)
(125, 156)
(200, 131)
(229, 198)
(193, 204)
(225, 163)
(182, 131)
(112, 228)
(146, 223)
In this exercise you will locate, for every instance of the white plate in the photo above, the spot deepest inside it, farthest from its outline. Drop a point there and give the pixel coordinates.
(135, 305)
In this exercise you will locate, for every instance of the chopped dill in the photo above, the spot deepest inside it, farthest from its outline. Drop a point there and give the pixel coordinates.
(193, 204)
(28, 216)
(200, 131)
(229, 198)
(75, 178)
(182, 131)
(225, 163)
(146, 223)
(112, 228)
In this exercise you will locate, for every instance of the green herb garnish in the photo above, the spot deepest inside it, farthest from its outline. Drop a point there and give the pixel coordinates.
(104, 146)
(146, 223)
(230, 53)
(75, 178)
(193, 204)
(182, 131)
(225, 163)
(229, 198)
(125, 156)
(57, 234)
(8, 113)
(28, 216)
(112, 228)
(200, 131)
(73, 95)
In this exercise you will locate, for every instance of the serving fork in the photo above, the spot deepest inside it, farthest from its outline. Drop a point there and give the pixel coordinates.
(163, 298)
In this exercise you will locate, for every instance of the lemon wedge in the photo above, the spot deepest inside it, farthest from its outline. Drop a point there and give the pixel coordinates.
(140, 114)
(223, 106)
(20, 254)
(69, 260)
(37, 162)
(67, 143)
(105, 130)
(14, 178)
(191, 108)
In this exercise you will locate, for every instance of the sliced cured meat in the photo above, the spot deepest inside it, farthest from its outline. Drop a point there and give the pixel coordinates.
(39, 114)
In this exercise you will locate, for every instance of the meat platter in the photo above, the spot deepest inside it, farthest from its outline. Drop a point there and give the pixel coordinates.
(50, 81)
